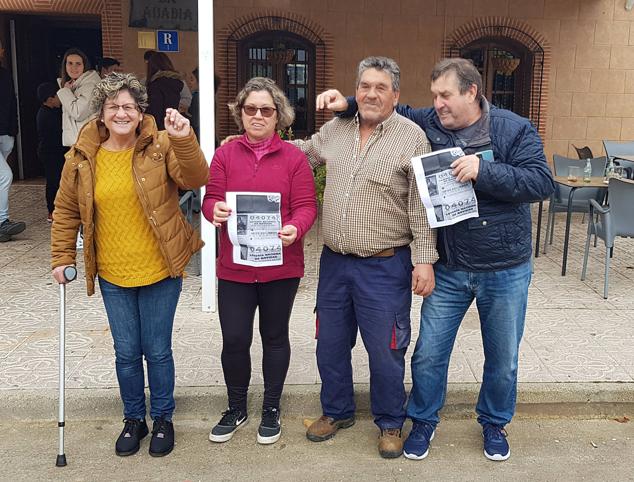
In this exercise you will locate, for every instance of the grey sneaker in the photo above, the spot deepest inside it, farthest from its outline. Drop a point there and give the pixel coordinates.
(231, 420)
(9, 228)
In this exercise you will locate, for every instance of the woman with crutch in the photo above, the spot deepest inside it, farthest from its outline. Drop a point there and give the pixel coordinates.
(121, 181)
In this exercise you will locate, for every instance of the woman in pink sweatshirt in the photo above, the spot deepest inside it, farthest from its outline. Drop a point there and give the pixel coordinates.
(258, 161)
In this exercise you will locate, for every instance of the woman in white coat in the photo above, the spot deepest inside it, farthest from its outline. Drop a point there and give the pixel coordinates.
(76, 84)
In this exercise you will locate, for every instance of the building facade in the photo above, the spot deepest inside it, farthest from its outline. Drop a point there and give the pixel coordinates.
(568, 65)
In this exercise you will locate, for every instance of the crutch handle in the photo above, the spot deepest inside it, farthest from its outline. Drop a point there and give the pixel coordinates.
(70, 273)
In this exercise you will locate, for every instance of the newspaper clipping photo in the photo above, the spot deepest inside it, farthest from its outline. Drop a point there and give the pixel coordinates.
(253, 228)
(446, 200)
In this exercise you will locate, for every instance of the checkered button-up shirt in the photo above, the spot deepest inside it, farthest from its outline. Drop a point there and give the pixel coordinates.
(371, 202)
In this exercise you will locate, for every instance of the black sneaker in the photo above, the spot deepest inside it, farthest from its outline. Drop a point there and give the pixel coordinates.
(11, 228)
(130, 439)
(270, 429)
(162, 441)
(231, 419)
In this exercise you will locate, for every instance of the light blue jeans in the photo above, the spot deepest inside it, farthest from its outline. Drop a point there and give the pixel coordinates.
(6, 175)
(501, 298)
(141, 321)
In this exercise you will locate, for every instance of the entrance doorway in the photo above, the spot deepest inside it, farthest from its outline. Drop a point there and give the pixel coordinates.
(40, 43)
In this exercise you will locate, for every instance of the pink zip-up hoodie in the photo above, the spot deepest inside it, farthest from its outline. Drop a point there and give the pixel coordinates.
(283, 169)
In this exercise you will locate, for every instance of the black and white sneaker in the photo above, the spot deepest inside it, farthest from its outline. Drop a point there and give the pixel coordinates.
(231, 420)
(270, 429)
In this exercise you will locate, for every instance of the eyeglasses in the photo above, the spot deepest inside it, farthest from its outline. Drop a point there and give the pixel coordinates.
(114, 108)
(252, 110)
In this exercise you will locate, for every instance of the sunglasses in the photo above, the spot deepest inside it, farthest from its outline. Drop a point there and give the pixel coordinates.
(252, 110)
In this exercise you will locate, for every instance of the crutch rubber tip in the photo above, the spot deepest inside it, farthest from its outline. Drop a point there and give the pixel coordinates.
(61, 461)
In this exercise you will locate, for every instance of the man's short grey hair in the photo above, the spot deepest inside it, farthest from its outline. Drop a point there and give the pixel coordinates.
(285, 111)
(110, 86)
(466, 73)
(383, 64)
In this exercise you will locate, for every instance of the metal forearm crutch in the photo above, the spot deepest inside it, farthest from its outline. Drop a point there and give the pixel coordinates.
(70, 273)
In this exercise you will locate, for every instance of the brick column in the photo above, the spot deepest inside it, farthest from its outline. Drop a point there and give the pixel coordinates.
(112, 24)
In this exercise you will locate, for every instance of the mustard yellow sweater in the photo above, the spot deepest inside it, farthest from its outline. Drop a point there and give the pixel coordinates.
(127, 252)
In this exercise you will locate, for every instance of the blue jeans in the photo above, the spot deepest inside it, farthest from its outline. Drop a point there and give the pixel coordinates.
(501, 298)
(372, 296)
(6, 175)
(141, 321)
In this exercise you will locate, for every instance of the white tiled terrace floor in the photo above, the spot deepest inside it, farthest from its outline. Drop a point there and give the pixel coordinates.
(572, 334)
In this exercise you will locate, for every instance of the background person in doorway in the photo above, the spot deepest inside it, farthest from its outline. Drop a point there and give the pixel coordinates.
(107, 65)
(164, 86)
(50, 150)
(185, 95)
(8, 131)
(194, 107)
(76, 83)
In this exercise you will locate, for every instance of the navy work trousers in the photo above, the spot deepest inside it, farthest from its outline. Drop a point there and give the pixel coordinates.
(373, 296)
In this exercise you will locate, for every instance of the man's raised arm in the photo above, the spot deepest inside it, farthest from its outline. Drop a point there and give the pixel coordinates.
(342, 106)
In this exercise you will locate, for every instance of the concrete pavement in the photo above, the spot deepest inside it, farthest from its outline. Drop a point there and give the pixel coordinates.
(542, 450)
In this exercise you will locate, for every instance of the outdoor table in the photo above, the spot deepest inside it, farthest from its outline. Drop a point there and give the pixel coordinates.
(574, 185)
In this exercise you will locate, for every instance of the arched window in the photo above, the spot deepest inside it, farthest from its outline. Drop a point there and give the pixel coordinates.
(514, 60)
(506, 68)
(289, 60)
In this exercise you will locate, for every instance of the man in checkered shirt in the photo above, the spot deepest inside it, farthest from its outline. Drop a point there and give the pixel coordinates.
(372, 213)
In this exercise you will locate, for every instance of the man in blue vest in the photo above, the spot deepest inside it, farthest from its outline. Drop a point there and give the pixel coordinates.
(486, 258)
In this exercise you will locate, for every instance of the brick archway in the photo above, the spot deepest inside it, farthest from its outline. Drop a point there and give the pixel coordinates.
(227, 41)
(110, 12)
(524, 34)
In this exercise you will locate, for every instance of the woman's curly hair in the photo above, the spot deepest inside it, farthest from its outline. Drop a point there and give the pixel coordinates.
(112, 84)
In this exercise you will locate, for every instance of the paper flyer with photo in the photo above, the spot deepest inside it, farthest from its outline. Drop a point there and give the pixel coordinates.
(446, 200)
(253, 228)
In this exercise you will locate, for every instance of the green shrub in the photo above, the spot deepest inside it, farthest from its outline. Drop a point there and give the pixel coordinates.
(320, 182)
(319, 173)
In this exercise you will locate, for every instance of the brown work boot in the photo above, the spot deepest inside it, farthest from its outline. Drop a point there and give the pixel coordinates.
(390, 443)
(326, 427)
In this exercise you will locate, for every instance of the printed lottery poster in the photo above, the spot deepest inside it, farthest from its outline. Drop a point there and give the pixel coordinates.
(253, 228)
(446, 200)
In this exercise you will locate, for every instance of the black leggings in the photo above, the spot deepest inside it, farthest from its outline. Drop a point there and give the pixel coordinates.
(236, 308)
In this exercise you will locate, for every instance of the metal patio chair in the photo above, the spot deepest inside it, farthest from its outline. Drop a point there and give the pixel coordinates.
(622, 153)
(559, 199)
(614, 220)
(583, 152)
